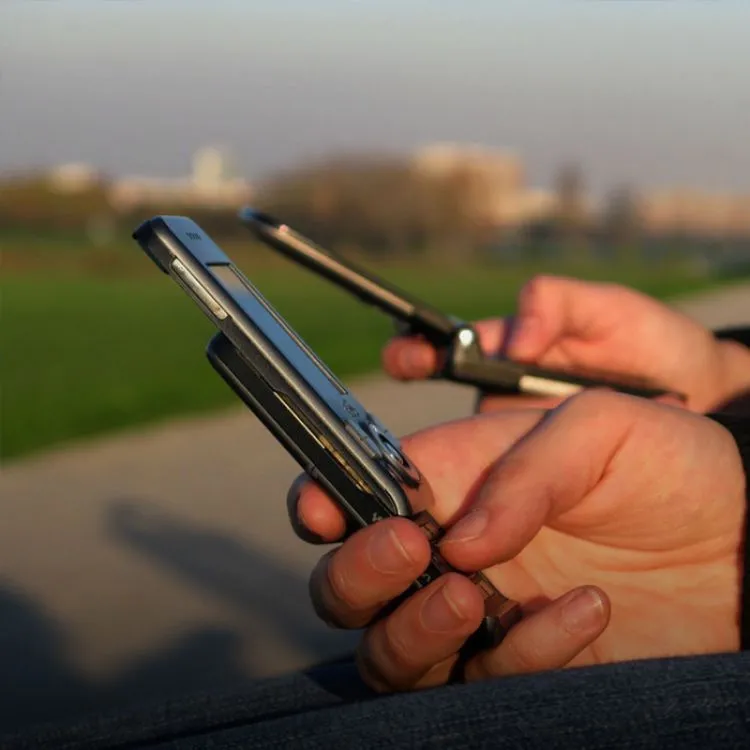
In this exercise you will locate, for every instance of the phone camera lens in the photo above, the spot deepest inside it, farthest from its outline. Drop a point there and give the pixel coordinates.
(399, 464)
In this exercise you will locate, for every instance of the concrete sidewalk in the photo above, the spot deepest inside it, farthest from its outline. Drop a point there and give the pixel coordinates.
(162, 561)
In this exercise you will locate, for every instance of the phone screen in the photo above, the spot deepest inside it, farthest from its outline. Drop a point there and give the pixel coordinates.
(275, 328)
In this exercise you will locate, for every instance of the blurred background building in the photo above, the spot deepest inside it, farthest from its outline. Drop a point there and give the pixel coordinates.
(495, 182)
(212, 183)
(689, 212)
(74, 178)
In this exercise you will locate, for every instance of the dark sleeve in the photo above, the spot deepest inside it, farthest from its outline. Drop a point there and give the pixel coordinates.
(739, 334)
(739, 426)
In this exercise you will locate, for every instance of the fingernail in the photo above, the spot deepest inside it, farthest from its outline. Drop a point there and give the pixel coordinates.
(443, 611)
(386, 553)
(583, 611)
(471, 526)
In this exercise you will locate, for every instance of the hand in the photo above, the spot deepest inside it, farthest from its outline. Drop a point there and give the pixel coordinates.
(565, 323)
(607, 493)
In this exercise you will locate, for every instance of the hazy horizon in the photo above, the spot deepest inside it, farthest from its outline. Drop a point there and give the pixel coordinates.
(651, 94)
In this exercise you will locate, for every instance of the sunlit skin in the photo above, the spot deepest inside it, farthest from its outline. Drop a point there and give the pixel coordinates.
(567, 323)
(616, 522)
(643, 501)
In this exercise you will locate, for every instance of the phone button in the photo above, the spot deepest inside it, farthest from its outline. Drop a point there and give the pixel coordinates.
(370, 446)
(198, 290)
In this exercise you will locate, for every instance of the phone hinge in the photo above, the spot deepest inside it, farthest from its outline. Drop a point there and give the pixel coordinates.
(325, 444)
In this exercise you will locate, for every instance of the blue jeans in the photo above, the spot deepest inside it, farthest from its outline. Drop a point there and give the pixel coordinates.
(701, 702)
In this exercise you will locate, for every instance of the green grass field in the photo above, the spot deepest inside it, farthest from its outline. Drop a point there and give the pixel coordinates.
(84, 354)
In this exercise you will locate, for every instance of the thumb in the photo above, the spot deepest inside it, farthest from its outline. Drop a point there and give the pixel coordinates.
(550, 307)
(549, 472)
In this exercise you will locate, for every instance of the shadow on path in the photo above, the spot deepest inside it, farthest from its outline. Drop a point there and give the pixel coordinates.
(39, 682)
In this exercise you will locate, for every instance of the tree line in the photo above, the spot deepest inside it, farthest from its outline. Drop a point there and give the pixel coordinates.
(371, 205)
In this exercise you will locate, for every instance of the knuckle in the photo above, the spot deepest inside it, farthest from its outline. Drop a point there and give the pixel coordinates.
(515, 656)
(315, 589)
(342, 591)
(370, 671)
(540, 285)
(539, 282)
(399, 648)
(593, 401)
(327, 603)
(386, 657)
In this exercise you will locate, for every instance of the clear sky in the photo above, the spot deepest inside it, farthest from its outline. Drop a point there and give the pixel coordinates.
(653, 93)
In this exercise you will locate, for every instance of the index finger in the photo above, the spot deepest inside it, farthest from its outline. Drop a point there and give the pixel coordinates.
(414, 358)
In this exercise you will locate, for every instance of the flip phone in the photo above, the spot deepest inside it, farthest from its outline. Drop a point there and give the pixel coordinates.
(330, 434)
(461, 357)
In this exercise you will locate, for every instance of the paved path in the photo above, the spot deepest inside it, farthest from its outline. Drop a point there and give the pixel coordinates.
(161, 561)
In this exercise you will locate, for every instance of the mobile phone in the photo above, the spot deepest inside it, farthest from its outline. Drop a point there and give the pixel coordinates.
(330, 434)
(462, 359)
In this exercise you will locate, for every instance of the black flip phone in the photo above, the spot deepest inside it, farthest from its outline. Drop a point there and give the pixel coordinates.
(300, 401)
(462, 359)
